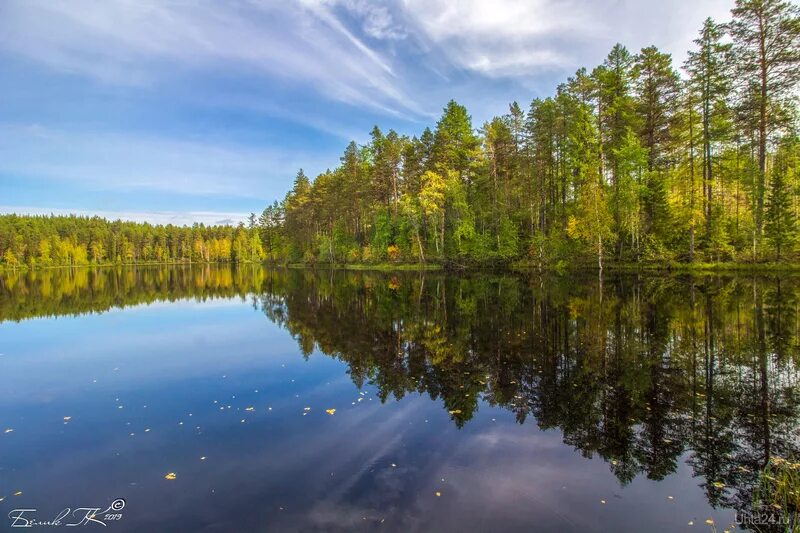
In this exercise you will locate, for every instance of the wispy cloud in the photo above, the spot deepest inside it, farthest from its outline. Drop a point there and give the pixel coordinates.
(126, 162)
(177, 218)
(522, 38)
(141, 42)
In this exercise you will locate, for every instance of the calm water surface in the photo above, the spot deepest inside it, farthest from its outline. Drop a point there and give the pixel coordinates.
(482, 402)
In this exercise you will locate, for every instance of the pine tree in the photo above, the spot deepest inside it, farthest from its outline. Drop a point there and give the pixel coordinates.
(779, 220)
(767, 37)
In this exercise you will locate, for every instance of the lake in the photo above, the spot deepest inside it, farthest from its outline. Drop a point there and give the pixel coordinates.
(250, 399)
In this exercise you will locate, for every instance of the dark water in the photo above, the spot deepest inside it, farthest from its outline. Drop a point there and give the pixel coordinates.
(474, 403)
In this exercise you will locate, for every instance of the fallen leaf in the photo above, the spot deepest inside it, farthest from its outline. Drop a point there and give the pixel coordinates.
(603, 502)
(18, 493)
(438, 493)
(67, 418)
(710, 521)
(171, 476)
(330, 411)
(455, 412)
(9, 430)
(251, 408)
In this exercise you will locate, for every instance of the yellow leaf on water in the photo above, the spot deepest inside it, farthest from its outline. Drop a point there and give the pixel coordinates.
(18, 493)
(719, 484)
(455, 412)
(171, 476)
(330, 411)
(710, 521)
(438, 493)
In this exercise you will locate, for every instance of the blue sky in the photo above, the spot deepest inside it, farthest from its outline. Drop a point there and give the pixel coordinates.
(182, 111)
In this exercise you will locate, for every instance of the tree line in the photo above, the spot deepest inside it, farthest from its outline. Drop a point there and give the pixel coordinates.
(41, 241)
(631, 161)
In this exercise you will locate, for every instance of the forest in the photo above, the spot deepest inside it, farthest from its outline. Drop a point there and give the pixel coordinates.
(636, 161)
(41, 241)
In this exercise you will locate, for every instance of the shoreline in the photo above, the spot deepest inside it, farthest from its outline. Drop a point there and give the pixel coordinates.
(666, 268)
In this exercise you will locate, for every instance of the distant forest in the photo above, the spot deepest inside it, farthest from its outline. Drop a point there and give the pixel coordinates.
(631, 162)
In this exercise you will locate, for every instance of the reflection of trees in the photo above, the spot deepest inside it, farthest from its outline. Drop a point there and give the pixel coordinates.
(75, 291)
(639, 371)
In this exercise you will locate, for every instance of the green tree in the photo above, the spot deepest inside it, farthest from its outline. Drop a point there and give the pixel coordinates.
(767, 37)
(780, 223)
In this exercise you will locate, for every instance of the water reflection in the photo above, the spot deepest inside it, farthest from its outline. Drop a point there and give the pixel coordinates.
(645, 372)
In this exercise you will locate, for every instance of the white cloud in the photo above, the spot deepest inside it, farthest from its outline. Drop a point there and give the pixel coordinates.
(377, 19)
(121, 163)
(141, 42)
(521, 38)
(176, 218)
(378, 64)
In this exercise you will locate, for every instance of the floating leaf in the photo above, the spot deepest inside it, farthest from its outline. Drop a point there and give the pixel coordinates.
(719, 484)
(9, 430)
(251, 408)
(67, 418)
(171, 476)
(710, 521)
(438, 493)
(18, 493)
(330, 411)
(455, 412)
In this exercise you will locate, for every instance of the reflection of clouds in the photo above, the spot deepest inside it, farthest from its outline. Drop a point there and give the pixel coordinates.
(327, 472)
